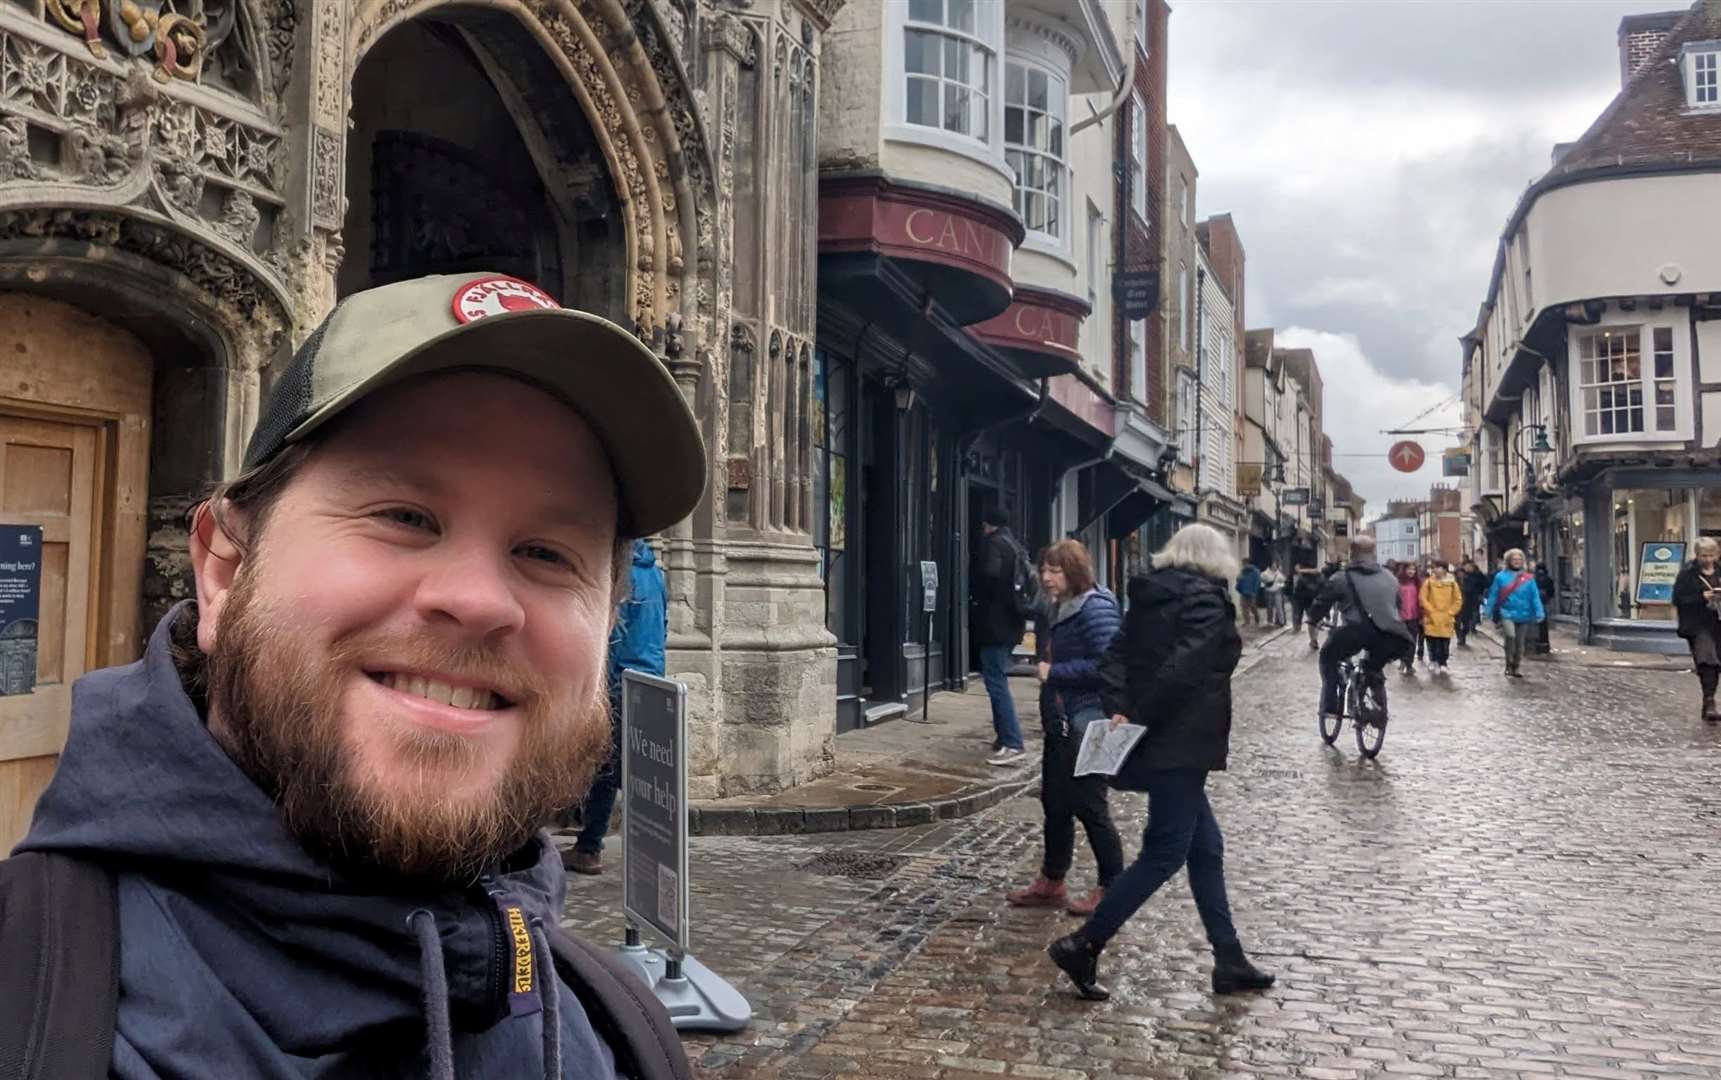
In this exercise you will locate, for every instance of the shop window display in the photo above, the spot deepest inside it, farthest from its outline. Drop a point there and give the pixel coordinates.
(1648, 522)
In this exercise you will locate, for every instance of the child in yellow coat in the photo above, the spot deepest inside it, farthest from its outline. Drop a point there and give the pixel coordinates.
(1442, 600)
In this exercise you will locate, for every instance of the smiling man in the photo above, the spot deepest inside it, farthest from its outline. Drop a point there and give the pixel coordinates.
(315, 807)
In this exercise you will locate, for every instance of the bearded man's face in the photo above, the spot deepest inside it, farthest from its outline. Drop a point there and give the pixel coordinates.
(409, 653)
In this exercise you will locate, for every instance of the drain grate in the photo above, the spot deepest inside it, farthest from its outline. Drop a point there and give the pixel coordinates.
(861, 865)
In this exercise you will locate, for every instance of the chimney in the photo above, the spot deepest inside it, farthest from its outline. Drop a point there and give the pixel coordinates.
(1640, 38)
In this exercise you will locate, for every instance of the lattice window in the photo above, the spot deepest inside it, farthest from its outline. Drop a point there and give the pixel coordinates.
(948, 64)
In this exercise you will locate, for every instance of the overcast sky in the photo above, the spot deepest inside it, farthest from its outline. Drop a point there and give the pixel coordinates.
(1370, 152)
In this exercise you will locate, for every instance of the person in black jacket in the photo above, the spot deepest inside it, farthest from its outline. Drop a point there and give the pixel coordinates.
(998, 629)
(1473, 582)
(1696, 592)
(1170, 671)
(1082, 619)
(1306, 585)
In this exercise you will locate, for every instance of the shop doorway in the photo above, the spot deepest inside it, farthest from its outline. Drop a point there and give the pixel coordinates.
(64, 468)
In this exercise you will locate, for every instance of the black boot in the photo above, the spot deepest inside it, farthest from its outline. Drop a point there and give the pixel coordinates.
(1709, 677)
(1709, 713)
(1079, 958)
(1233, 973)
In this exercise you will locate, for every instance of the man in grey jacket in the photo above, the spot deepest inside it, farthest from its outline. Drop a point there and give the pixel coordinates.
(1366, 598)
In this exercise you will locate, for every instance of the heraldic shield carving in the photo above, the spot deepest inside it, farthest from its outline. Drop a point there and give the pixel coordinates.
(176, 34)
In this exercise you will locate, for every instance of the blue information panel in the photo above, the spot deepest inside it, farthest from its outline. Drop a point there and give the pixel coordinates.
(20, 606)
(1658, 569)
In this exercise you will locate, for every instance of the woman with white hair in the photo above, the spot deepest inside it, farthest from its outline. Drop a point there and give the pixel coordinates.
(1514, 599)
(1170, 671)
(1696, 594)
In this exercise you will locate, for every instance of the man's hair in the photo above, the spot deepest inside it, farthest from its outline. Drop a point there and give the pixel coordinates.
(1362, 547)
(1072, 558)
(994, 516)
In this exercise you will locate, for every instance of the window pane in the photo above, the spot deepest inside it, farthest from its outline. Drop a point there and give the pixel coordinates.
(1037, 134)
(1664, 393)
(1012, 127)
(961, 16)
(1037, 89)
(955, 59)
(920, 53)
(1663, 365)
(1033, 211)
(1663, 339)
(923, 101)
(926, 10)
(1057, 141)
(956, 108)
(1014, 79)
(982, 124)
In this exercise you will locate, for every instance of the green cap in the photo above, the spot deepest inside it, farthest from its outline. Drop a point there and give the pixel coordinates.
(491, 322)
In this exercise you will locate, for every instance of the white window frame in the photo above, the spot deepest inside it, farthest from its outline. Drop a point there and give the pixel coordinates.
(1141, 23)
(1138, 360)
(989, 27)
(1183, 305)
(1644, 335)
(1058, 96)
(1187, 391)
(1138, 154)
(1095, 241)
(1701, 64)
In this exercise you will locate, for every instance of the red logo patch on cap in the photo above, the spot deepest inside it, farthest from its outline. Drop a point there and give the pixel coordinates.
(498, 296)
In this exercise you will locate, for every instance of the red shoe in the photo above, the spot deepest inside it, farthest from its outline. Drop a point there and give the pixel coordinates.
(1044, 892)
(1085, 906)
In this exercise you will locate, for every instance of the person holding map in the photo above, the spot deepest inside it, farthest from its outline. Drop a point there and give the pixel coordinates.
(1170, 672)
(1697, 598)
(1084, 620)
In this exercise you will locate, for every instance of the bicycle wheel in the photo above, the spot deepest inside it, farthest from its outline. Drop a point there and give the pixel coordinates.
(1370, 723)
(1332, 725)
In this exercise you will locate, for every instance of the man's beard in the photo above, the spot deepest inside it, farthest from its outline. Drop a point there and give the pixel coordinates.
(279, 711)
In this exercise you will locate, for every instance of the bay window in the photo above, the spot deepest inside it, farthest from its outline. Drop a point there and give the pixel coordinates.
(1628, 381)
(1035, 102)
(948, 61)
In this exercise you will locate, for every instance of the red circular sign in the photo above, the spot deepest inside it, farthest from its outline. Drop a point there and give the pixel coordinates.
(1406, 456)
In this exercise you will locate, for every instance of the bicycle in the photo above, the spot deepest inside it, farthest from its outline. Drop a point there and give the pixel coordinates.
(1362, 705)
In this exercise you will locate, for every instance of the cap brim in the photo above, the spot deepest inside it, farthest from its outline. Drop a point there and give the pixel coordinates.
(603, 372)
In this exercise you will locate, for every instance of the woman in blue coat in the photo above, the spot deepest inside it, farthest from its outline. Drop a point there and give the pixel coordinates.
(1515, 598)
(1083, 621)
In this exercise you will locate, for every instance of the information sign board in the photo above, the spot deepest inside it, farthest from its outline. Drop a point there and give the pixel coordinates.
(1657, 570)
(654, 804)
(20, 606)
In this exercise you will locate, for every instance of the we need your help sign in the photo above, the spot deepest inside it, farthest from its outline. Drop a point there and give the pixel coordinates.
(654, 857)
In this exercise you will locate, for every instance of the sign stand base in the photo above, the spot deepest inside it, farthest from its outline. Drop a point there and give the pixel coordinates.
(698, 999)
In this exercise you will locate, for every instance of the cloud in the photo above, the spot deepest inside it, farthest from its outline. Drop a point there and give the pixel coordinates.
(1359, 400)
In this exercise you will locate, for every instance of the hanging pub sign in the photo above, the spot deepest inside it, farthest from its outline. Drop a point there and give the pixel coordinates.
(1297, 496)
(1248, 481)
(1317, 512)
(20, 606)
(1341, 528)
(1136, 292)
(1455, 461)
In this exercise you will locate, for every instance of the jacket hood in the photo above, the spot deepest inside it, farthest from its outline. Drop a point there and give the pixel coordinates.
(644, 556)
(1365, 566)
(1172, 583)
(144, 789)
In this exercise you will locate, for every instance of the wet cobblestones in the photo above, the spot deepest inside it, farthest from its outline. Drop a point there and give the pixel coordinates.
(1524, 884)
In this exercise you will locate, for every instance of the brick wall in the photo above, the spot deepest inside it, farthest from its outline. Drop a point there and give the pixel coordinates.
(1635, 49)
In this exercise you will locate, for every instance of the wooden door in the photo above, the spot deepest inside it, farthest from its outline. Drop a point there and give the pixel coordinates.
(49, 476)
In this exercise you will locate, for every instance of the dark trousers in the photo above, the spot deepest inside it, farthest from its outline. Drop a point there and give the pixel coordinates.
(1067, 799)
(1468, 619)
(1415, 652)
(1706, 658)
(600, 800)
(1181, 831)
(1348, 640)
(1439, 649)
(995, 673)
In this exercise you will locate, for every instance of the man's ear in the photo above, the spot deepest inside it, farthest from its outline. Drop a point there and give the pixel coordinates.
(215, 561)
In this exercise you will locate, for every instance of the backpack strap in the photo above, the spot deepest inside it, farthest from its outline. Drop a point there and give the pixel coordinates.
(59, 984)
(625, 1014)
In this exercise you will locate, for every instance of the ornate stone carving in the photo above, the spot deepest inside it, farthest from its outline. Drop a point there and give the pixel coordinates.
(15, 163)
(239, 218)
(329, 101)
(325, 178)
(179, 35)
(281, 27)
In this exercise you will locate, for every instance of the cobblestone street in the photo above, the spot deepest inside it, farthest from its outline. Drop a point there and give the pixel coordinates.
(1524, 884)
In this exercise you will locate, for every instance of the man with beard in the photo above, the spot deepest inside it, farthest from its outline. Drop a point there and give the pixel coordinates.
(316, 804)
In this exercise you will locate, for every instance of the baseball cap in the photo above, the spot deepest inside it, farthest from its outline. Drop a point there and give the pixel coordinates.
(493, 322)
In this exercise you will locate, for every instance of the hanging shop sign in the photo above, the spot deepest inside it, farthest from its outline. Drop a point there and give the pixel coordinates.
(1248, 481)
(1455, 461)
(1136, 293)
(1297, 496)
(1406, 456)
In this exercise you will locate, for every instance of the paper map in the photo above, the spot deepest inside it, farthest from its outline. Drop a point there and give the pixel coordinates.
(1104, 747)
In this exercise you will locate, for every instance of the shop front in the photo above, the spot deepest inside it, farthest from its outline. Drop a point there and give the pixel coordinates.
(1638, 527)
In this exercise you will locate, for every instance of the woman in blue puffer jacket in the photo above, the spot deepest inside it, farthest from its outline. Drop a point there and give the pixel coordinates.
(1083, 620)
(1514, 598)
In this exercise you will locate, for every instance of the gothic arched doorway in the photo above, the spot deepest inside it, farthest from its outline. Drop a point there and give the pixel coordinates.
(468, 152)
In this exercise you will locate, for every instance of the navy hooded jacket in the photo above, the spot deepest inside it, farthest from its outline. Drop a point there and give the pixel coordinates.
(241, 954)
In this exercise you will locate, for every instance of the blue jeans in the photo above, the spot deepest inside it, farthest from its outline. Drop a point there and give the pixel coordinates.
(600, 800)
(995, 672)
(1180, 830)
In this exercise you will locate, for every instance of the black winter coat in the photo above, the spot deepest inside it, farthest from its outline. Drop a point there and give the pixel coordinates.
(1695, 614)
(1170, 671)
(996, 621)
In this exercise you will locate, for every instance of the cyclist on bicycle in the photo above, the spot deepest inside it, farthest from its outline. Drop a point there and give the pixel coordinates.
(1366, 598)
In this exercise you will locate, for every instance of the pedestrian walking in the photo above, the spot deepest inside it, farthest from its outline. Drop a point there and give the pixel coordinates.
(637, 643)
(1442, 601)
(1514, 601)
(1249, 591)
(1697, 598)
(1083, 621)
(1305, 586)
(1273, 595)
(1410, 610)
(1545, 586)
(1473, 581)
(998, 627)
(1170, 671)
